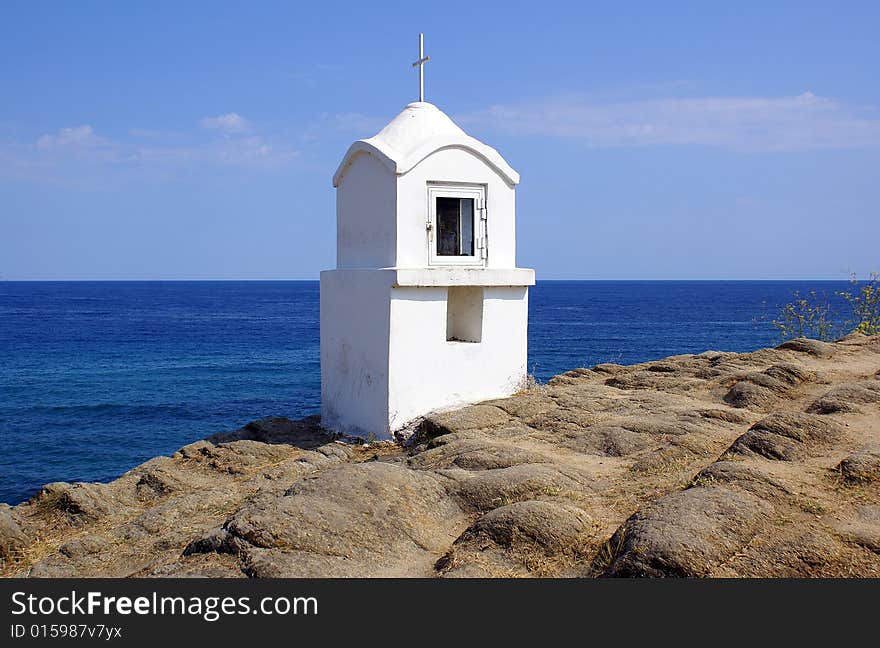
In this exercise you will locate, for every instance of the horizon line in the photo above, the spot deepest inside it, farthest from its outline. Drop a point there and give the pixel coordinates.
(317, 280)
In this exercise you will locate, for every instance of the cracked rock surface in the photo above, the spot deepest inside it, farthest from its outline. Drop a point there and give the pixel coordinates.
(716, 464)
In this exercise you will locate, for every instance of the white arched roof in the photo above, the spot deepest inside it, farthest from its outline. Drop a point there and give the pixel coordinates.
(418, 131)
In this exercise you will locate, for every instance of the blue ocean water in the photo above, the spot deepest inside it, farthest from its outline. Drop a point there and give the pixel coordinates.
(96, 377)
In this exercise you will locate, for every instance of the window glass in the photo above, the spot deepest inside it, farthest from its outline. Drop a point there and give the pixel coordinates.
(455, 226)
(467, 226)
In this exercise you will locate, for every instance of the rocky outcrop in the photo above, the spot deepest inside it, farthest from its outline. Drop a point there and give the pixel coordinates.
(688, 533)
(13, 539)
(862, 466)
(716, 464)
(787, 436)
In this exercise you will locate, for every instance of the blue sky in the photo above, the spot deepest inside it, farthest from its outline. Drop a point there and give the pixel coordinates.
(169, 140)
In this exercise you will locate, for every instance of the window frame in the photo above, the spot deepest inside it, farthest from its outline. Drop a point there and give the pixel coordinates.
(458, 190)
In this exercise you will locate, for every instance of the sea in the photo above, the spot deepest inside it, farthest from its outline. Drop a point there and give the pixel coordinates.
(97, 377)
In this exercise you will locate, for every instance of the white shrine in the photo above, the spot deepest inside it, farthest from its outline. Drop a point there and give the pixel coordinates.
(426, 309)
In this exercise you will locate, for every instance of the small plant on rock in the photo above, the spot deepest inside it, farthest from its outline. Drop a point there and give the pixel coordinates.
(813, 316)
(807, 316)
(864, 300)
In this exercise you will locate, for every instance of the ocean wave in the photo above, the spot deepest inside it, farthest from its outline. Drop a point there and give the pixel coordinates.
(128, 408)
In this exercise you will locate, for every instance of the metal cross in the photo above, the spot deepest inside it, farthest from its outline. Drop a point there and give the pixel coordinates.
(421, 65)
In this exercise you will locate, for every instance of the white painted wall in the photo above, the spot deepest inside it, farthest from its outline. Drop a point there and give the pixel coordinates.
(427, 373)
(354, 351)
(464, 313)
(366, 212)
(459, 166)
(385, 358)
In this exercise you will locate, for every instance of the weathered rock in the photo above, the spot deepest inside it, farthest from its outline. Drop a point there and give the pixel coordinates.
(863, 527)
(475, 454)
(762, 379)
(743, 476)
(159, 478)
(767, 444)
(573, 377)
(489, 489)
(529, 538)
(811, 552)
(306, 433)
(13, 539)
(657, 426)
(659, 381)
(215, 541)
(79, 502)
(664, 367)
(686, 534)
(609, 368)
(355, 519)
(786, 436)
(845, 398)
(728, 416)
(570, 414)
(831, 405)
(790, 373)
(530, 408)
(747, 394)
(85, 545)
(475, 417)
(619, 441)
(815, 348)
(554, 527)
(862, 466)
(610, 441)
(238, 457)
(198, 566)
(805, 428)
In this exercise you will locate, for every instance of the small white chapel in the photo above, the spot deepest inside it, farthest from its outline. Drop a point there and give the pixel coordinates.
(426, 309)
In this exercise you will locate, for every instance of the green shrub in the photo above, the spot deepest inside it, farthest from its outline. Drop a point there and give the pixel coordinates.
(864, 300)
(807, 316)
(812, 315)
